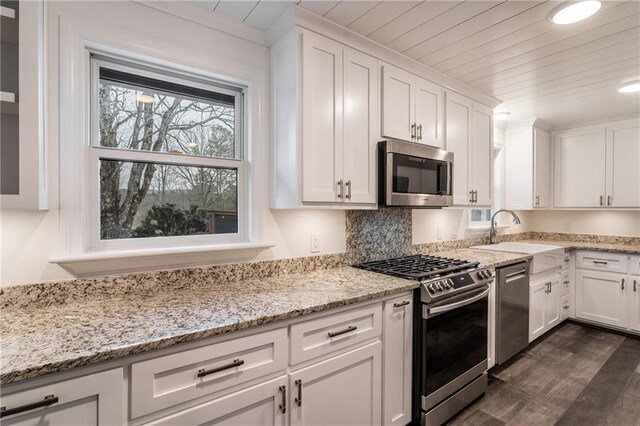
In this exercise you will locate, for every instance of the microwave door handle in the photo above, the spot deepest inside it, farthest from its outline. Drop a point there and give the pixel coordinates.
(452, 306)
(449, 177)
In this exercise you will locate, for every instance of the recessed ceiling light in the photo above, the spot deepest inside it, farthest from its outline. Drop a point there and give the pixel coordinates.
(146, 99)
(574, 11)
(630, 87)
(502, 116)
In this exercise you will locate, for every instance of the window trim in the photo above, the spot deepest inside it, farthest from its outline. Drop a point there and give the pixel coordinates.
(94, 152)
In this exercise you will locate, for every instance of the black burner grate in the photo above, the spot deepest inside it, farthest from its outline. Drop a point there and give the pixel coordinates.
(418, 267)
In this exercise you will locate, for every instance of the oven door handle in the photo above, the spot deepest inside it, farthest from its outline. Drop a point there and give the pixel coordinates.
(452, 306)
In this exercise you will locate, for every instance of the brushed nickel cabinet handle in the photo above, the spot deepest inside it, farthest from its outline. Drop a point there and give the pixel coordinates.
(340, 189)
(298, 399)
(635, 285)
(413, 131)
(537, 200)
(47, 401)
(401, 304)
(622, 284)
(348, 197)
(471, 196)
(420, 132)
(608, 200)
(600, 262)
(601, 200)
(236, 363)
(341, 332)
(283, 406)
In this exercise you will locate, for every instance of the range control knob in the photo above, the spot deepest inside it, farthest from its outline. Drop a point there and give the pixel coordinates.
(446, 284)
(431, 288)
(439, 286)
(480, 274)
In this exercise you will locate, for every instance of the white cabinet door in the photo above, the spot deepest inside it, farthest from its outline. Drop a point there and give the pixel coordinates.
(553, 314)
(600, 297)
(542, 169)
(519, 168)
(321, 119)
(259, 405)
(361, 131)
(537, 310)
(634, 303)
(481, 154)
(398, 349)
(345, 390)
(429, 113)
(579, 178)
(90, 400)
(458, 130)
(623, 160)
(398, 103)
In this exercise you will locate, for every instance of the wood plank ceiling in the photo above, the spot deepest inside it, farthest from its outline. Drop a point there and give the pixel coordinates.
(508, 49)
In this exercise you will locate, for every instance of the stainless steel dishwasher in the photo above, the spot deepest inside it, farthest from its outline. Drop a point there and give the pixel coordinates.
(512, 310)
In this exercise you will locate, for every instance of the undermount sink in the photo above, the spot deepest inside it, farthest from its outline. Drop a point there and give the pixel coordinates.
(545, 256)
(516, 247)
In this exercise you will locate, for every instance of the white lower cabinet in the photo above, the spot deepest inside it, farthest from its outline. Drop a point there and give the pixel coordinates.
(344, 390)
(264, 404)
(634, 303)
(95, 399)
(602, 297)
(544, 306)
(398, 358)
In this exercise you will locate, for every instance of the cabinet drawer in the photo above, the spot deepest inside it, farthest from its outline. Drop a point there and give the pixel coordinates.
(169, 380)
(564, 307)
(634, 265)
(322, 336)
(610, 262)
(565, 283)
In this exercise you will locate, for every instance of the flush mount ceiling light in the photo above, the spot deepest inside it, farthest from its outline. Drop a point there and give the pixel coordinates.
(502, 115)
(630, 87)
(574, 11)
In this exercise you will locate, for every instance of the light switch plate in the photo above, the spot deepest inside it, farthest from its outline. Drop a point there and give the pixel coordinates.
(315, 243)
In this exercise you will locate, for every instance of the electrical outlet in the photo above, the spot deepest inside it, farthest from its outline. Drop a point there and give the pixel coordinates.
(440, 233)
(315, 243)
(454, 234)
(566, 226)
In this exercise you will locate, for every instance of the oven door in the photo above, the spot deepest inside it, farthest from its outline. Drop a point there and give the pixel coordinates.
(454, 339)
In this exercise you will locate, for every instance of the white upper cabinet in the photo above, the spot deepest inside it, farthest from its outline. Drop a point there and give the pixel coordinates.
(360, 126)
(597, 166)
(469, 129)
(527, 174)
(412, 107)
(623, 164)
(325, 123)
(481, 159)
(321, 119)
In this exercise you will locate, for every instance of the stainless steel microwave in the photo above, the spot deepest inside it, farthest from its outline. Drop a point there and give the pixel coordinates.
(414, 175)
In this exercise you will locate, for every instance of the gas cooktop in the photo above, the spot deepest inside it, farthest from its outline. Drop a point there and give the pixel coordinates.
(418, 267)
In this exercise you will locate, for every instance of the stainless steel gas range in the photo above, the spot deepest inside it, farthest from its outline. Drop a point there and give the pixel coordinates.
(451, 354)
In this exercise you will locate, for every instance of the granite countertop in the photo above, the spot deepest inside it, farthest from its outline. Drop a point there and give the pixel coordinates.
(45, 340)
(575, 245)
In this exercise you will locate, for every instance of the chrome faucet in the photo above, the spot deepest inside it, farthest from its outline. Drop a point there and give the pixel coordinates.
(493, 232)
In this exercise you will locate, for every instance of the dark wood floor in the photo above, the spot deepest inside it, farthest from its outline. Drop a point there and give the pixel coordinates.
(574, 375)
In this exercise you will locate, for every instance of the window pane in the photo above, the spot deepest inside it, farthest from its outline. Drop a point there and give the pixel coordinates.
(139, 200)
(480, 215)
(146, 114)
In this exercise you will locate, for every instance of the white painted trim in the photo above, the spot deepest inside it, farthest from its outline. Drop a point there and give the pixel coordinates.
(609, 120)
(198, 15)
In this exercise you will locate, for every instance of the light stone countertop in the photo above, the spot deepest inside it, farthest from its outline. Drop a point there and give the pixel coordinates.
(45, 340)
(574, 245)
(487, 258)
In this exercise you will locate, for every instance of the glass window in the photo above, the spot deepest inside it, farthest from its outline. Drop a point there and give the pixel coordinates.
(167, 153)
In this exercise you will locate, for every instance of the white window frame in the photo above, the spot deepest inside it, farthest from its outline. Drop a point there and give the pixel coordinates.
(94, 152)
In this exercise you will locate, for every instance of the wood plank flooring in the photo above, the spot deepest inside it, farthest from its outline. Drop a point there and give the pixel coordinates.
(575, 375)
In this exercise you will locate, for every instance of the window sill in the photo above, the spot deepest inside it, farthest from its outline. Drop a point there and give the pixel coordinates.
(125, 261)
(486, 228)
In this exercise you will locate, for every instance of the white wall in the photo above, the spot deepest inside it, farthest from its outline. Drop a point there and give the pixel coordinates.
(29, 238)
(599, 222)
